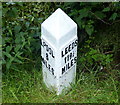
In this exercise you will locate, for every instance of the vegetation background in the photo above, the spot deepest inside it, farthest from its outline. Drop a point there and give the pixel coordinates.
(98, 62)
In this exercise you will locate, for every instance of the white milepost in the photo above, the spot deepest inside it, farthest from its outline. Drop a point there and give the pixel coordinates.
(59, 51)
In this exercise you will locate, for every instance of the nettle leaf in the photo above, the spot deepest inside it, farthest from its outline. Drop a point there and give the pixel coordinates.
(4, 11)
(8, 64)
(17, 60)
(72, 13)
(113, 16)
(9, 48)
(83, 13)
(27, 24)
(89, 29)
(106, 9)
(100, 14)
(17, 48)
(7, 54)
(23, 42)
(17, 28)
(15, 10)
(18, 39)
(18, 54)
(12, 13)
(79, 22)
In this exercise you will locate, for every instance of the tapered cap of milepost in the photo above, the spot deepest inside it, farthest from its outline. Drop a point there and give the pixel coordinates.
(58, 26)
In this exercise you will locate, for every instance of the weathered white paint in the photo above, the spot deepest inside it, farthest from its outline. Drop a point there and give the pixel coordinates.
(59, 51)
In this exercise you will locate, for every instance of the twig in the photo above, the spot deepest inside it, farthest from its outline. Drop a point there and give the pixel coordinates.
(115, 21)
(103, 20)
(117, 65)
(109, 52)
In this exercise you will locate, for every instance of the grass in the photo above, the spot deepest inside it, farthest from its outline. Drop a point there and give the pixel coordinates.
(26, 86)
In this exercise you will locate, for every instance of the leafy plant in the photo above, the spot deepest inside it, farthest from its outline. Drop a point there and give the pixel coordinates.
(88, 15)
(21, 24)
(93, 59)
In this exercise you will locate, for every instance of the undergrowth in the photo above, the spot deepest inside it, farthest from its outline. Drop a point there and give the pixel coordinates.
(96, 80)
(26, 86)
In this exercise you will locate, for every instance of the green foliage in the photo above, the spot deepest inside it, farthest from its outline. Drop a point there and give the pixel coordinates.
(88, 15)
(21, 23)
(113, 16)
(92, 57)
(106, 9)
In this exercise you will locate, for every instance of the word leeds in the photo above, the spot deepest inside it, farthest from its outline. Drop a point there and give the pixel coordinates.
(69, 55)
